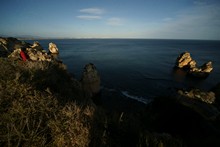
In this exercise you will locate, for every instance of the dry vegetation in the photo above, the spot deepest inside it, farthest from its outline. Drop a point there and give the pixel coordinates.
(34, 111)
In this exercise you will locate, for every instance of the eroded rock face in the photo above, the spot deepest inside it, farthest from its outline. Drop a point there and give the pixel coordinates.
(53, 48)
(36, 45)
(207, 67)
(13, 48)
(185, 61)
(90, 80)
(207, 97)
(8, 45)
(15, 54)
(36, 55)
(200, 102)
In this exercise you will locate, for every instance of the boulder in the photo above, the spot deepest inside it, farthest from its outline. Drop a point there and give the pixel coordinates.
(53, 48)
(90, 80)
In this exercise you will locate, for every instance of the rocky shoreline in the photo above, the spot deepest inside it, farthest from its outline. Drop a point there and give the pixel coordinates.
(39, 88)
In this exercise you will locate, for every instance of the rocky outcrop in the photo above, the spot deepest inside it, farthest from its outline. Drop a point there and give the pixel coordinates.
(36, 55)
(8, 45)
(207, 97)
(12, 47)
(36, 46)
(184, 61)
(90, 80)
(33, 54)
(200, 102)
(53, 48)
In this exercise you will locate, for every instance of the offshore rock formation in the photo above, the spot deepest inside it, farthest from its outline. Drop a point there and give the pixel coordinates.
(90, 80)
(53, 48)
(185, 61)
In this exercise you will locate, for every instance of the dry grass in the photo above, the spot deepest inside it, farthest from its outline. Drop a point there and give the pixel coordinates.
(31, 115)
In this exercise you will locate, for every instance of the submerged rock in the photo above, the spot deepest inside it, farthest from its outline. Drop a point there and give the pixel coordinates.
(53, 48)
(90, 80)
(184, 61)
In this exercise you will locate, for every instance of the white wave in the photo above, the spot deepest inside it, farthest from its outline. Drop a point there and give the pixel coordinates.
(138, 98)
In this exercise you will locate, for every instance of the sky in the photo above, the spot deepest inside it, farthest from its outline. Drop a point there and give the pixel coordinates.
(160, 19)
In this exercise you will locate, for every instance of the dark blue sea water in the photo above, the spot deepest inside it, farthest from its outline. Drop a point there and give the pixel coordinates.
(140, 69)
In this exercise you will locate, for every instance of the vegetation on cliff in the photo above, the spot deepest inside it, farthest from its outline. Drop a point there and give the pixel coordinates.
(41, 105)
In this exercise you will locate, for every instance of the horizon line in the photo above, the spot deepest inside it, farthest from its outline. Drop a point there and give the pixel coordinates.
(59, 38)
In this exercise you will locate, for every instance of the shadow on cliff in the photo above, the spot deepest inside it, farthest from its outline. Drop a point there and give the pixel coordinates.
(166, 114)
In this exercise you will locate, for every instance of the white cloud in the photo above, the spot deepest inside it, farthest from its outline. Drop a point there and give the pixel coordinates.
(89, 17)
(114, 21)
(96, 11)
(90, 14)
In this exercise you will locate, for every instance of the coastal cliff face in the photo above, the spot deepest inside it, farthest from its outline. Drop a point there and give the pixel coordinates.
(40, 103)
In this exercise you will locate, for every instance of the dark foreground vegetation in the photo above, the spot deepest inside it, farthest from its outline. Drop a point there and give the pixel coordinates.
(41, 104)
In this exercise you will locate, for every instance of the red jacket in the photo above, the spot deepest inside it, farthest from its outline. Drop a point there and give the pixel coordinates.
(23, 56)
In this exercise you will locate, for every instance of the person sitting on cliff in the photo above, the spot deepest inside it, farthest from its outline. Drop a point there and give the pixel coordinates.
(23, 55)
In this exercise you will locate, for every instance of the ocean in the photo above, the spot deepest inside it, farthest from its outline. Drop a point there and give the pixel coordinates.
(139, 69)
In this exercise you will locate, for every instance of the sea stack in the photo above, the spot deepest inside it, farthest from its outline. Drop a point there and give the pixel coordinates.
(90, 80)
(184, 61)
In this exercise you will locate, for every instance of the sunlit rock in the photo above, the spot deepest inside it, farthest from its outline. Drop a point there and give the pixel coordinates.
(53, 48)
(207, 97)
(207, 67)
(36, 45)
(15, 54)
(184, 61)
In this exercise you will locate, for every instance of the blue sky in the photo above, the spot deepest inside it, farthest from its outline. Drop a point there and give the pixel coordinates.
(166, 19)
